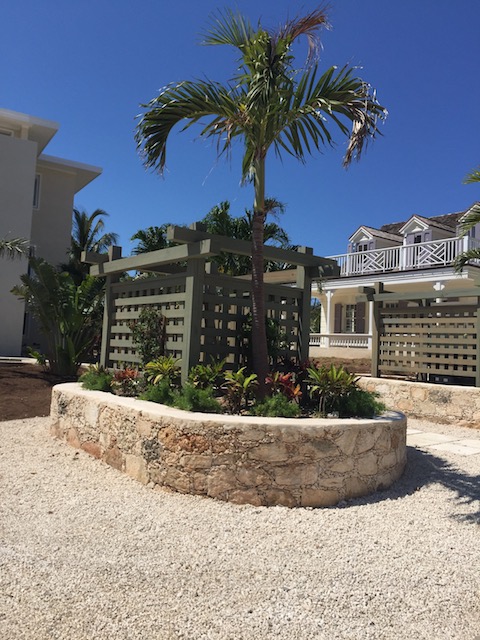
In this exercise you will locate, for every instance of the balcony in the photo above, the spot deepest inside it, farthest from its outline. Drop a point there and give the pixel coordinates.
(424, 255)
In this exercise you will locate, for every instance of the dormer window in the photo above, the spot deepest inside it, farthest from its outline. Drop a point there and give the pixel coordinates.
(362, 246)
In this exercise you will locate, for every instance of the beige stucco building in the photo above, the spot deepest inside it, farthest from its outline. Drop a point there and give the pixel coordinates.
(36, 202)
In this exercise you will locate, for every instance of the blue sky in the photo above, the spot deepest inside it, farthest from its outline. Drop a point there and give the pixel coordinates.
(88, 65)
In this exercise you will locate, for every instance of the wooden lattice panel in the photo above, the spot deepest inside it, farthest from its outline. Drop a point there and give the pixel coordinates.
(440, 339)
(166, 294)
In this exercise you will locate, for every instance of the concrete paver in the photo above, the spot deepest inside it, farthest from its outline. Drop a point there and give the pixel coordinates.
(441, 442)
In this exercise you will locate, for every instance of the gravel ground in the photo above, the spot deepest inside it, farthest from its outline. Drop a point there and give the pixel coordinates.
(87, 553)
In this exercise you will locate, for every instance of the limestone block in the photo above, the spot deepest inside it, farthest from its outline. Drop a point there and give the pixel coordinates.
(144, 427)
(355, 487)
(346, 441)
(383, 442)
(176, 480)
(419, 393)
(331, 483)
(251, 433)
(220, 481)
(344, 465)
(317, 449)
(365, 441)
(196, 461)
(249, 496)
(136, 468)
(279, 496)
(114, 458)
(367, 464)
(199, 483)
(274, 452)
(93, 448)
(252, 477)
(387, 461)
(296, 475)
(319, 498)
(228, 459)
(73, 438)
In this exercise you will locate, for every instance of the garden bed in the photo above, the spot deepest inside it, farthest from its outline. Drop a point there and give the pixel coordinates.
(262, 461)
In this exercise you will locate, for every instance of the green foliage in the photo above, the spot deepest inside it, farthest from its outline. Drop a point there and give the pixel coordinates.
(126, 382)
(163, 368)
(68, 315)
(276, 406)
(360, 403)
(239, 389)
(330, 385)
(148, 334)
(161, 393)
(96, 378)
(203, 376)
(41, 358)
(191, 398)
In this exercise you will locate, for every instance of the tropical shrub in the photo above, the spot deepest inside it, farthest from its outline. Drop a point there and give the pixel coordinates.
(126, 382)
(148, 334)
(68, 315)
(276, 406)
(360, 403)
(239, 389)
(191, 398)
(163, 368)
(276, 340)
(96, 378)
(161, 393)
(203, 376)
(330, 385)
(284, 384)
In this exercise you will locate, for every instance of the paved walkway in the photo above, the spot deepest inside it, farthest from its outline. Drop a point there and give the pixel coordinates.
(440, 442)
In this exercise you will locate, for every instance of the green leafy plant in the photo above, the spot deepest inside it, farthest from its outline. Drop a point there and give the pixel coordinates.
(239, 388)
(96, 378)
(68, 315)
(161, 393)
(360, 403)
(276, 339)
(148, 334)
(203, 376)
(191, 398)
(276, 406)
(41, 358)
(330, 385)
(163, 368)
(126, 382)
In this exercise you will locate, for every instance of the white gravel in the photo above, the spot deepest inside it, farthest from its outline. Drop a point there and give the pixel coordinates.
(87, 553)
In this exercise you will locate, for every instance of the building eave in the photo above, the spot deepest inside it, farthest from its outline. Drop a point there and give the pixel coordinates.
(84, 173)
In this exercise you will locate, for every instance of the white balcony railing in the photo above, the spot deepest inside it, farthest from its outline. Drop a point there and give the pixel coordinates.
(352, 340)
(440, 253)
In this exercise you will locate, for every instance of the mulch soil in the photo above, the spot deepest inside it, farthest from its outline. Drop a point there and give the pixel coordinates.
(26, 389)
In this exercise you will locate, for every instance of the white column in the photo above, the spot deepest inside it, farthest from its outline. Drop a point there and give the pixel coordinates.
(370, 323)
(328, 327)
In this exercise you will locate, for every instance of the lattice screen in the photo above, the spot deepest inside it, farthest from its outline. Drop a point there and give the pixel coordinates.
(436, 340)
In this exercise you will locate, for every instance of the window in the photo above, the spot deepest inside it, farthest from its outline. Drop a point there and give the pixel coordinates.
(362, 246)
(36, 192)
(350, 318)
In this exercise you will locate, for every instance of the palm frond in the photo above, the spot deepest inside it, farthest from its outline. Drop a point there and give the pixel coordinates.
(307, 26)
(473, 176)
(229, 28)
(13, 248)
(470, 220)
(466, 257)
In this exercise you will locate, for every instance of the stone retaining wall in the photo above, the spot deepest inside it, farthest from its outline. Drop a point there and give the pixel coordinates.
(261, 461)
(451, 404)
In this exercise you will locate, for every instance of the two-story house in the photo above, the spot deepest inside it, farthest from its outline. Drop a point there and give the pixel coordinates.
(413, 257)
(36, 202)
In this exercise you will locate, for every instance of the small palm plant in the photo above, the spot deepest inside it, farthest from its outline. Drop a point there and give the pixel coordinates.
(330, 385)
(163, 368)
(239, 389)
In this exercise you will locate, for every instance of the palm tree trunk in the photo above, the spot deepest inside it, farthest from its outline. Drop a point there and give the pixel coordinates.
(259, 334)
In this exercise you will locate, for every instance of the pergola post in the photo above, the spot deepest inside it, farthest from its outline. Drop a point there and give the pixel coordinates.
(114, 253)
(194, 284)
(304, 282)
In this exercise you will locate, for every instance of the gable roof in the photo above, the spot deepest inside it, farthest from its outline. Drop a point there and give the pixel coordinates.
(377, 233)
(447, 222)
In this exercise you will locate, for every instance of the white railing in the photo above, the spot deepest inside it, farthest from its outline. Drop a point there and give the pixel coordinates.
(352, 340)
(403, 257)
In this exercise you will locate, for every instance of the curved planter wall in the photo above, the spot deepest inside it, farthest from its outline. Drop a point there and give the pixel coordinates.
(261, 461)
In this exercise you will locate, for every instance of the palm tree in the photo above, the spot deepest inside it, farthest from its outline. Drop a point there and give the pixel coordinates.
(219, 221)
(151, 239)
(269, 105)
(471, 219)
(12, 248)
(87, 235)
